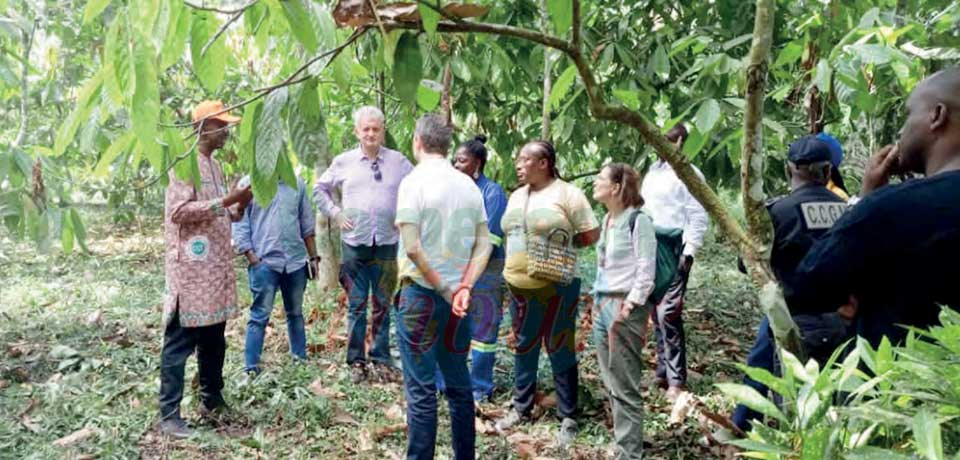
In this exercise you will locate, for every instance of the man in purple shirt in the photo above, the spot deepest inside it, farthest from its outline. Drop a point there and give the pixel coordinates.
(368, 178)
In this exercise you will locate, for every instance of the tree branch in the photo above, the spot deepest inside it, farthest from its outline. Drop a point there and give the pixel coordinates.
(176, 160)
(221, 30)
(575, 38)
(24, 82)
(547, 80)
(289, 81)
(218, 10)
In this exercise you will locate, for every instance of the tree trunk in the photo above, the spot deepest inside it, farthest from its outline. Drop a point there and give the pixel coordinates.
(751, 155)
(27, 37)
(547, 79)
(327, 232)
(446, 100)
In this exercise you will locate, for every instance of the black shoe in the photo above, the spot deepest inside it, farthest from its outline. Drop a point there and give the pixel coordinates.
(175, 427)
(358, 372)
(216, 414)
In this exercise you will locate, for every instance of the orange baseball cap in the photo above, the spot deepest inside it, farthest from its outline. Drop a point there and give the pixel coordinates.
(204, 109)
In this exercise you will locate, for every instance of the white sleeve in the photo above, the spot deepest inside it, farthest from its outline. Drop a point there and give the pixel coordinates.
(696, 221)
(644, 241)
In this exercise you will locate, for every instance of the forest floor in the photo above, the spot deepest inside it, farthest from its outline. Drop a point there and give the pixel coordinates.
(80, 341)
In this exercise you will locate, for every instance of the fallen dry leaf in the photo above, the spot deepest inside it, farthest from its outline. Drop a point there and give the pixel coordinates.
(483, 427)
(366, 444)
(317, 388)
(74, 437)
(95, 317)
(394, 413)
(384, 431)
(681, 408)
(344, 417)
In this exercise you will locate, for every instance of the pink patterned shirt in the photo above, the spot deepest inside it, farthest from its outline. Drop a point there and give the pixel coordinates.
(196, 232)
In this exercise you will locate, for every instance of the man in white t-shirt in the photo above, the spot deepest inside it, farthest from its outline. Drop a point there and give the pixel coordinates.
(444, 247)
(671, 205)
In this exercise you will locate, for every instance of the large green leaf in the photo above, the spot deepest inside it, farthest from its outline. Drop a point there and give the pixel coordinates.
(264, 186)
(429, 16)
(707, 115)
(407, 68)
(210, 66)
(78, 229)
(145, 112)
(119, 145)
(298, 15)
(285, 170)
(427, 98)
(269, 141)
(561, 13)
(87, 98)
(306, 126)
(66, 236)
(751, 398)
(93, 9)
(926, 432)
(116, 57)
(562, 86)
(660, 63)
(144, 14)
(176, 37)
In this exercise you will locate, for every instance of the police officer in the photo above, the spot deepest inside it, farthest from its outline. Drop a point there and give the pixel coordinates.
(798, 220)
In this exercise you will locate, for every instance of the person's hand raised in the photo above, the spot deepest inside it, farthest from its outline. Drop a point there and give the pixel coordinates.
(882, 165)
(239, 195)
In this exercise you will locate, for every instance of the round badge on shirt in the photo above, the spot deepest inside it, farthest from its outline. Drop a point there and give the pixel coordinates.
(198, 248)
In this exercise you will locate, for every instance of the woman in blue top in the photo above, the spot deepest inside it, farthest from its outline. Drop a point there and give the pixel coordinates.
(486, 302)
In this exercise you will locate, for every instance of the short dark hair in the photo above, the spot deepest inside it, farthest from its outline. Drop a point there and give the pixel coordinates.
(679, 131)
(629, 180)
(545, 150)
(477, 148)
(434, 133)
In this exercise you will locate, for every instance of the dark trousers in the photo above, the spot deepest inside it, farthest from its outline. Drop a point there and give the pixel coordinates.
(364, 269)
(430, 338)
(668, 330)
(178, 344)
(545, 317)
(762, 355)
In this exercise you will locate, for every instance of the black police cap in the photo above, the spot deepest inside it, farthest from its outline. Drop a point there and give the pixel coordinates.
(808, 150)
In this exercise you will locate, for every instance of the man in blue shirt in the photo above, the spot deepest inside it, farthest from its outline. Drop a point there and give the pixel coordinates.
(277, 241)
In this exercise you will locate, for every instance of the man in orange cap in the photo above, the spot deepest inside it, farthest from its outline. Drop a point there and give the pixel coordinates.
(200, 293)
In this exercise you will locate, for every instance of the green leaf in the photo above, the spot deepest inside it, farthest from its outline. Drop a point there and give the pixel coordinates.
(78, 229)
(269, 141)
(264, 186)
(629, 98)
(660, 63)
(875, 453)
(778, 385)
(427, 97)
(93, 9)
(119, 145)
(562, 86)
(926, 432)
(327, 26)
(769, 447)
(285, 171)
(307, 128)
(429, 16)
(694, 143)
(707, 115)
(116, 56)
(823, 75)
(870, 53)
(298, 16)
(209, 67)
(460, 69)
(87, 98)
(561, 13)
(247, 135)
(816, 442)
(789, 54)
(177, 33)
(144, 13)
(751, 398)
(66, 236)
(146, 102)
(407, 68)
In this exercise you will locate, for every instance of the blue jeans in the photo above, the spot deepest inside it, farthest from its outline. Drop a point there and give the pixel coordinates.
(429, 337)
(762, 355)
(545, 317)
(264, 283)
(486, 313)
(364, 269)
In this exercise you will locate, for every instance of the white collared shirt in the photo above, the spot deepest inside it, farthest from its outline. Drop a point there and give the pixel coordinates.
(671, 205)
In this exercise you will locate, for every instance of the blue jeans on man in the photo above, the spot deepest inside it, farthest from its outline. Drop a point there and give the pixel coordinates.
(762, 355)
(429, 338)
(264, 283)
(364, 269)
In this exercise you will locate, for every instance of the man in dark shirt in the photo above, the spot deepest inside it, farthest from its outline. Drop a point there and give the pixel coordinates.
(896, 250)
(798, 220)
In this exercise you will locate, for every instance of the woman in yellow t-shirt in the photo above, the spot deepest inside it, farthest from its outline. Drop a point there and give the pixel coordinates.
(544, 312)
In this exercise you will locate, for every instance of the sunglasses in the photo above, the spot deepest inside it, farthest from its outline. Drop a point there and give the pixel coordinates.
(375, 166)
